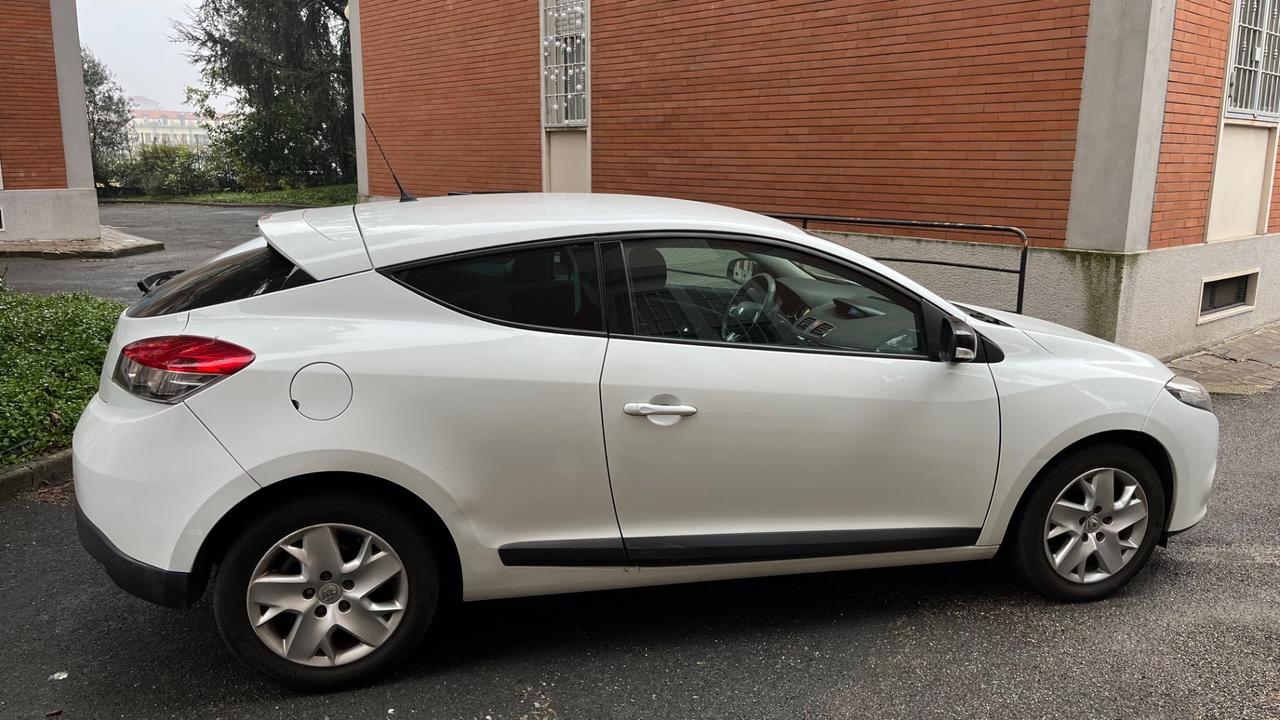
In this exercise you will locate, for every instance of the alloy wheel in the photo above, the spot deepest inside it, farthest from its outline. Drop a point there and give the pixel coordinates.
(327, 595)
(1096, 525)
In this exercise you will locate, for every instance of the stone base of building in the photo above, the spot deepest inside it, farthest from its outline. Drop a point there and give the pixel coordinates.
(1148, 300)
(48, 215)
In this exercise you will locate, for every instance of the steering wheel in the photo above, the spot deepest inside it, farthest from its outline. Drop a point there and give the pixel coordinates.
(744, 312)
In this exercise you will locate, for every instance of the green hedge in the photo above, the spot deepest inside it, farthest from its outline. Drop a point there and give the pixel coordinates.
(320, 196)
(51, 353)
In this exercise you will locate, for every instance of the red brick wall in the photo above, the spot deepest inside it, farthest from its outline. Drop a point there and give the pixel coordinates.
(452, 88)
(1273, 215)
(1201, 32)
(30, 125)
(960, 110)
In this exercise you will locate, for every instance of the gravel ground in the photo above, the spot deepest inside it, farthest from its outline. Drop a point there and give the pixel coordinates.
(1196, 635)
(191, 234)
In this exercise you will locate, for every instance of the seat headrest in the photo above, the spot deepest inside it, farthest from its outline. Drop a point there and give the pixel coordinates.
(647, 268)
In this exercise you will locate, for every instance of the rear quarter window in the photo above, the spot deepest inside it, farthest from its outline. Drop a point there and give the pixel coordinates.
(547, 287)
(246, 274)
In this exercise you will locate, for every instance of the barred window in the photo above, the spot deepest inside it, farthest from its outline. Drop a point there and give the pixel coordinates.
(1255, 62)
(564, 62)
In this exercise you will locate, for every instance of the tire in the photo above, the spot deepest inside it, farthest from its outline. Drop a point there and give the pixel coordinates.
(342, 659)
(1070, 480)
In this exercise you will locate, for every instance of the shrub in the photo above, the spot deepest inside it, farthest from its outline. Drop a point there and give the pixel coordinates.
(169, 170)
(51, 353)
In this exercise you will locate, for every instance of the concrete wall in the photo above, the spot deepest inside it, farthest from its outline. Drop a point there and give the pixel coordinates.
(1162, 293)
(1077, 288)
(49, 215)
(1146, 300)
(1126, 74)
(357, 98)
(71, 108)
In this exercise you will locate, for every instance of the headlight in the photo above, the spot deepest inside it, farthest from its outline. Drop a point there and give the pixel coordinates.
(1190, 392)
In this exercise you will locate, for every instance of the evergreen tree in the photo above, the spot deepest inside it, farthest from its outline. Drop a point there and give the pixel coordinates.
(286, 66)
(108, 112)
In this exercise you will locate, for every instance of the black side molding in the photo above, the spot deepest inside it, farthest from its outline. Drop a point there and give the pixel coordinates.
(601, 552)
(732, 548)
(162, 587)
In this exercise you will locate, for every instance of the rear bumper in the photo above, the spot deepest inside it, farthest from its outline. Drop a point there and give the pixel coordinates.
(152, 480)
(162, 587)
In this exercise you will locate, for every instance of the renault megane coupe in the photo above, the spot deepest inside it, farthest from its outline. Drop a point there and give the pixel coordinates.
(371, 411)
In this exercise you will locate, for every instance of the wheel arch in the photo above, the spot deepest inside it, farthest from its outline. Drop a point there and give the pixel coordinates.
(1148, 446)
(222, 534)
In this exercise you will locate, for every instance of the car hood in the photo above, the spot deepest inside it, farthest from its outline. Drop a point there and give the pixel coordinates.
(1070, 344)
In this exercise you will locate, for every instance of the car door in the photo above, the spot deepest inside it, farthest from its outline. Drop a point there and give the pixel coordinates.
(763, 402)
(504, 395)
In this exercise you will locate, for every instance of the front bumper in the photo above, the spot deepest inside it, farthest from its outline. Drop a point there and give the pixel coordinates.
(163, 587)
(1190, 436)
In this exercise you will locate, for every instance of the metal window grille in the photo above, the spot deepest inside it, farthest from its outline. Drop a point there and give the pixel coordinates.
(1255, 65)
(564, 62)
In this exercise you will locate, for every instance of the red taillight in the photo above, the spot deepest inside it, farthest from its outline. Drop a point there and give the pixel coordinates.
(168, 369)
(186, 354)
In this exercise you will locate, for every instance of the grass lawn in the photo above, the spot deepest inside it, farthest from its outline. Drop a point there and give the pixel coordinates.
(51, 351)
(312, 197)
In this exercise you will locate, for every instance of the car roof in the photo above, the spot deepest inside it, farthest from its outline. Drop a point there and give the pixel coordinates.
(397, 232)
(336, 241)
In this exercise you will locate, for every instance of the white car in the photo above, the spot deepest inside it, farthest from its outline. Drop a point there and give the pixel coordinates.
(373, 411)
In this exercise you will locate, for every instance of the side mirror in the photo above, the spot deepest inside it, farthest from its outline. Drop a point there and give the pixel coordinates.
(959, 342)
(740, 270)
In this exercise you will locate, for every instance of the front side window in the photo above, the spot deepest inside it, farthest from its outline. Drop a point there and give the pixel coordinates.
(1254, 89)
(550, 286)
(726, 291)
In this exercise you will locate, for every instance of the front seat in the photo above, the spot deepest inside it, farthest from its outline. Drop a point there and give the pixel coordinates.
(658, 311)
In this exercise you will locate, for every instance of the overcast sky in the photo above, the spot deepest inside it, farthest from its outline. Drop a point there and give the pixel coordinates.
(132, 38)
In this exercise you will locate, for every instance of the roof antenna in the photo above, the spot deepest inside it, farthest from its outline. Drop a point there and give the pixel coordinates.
(404, 196)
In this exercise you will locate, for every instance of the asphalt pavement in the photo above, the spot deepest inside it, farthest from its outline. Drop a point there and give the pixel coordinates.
(191, 234)
(1197, 635)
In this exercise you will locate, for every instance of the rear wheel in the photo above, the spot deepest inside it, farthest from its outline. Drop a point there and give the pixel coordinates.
(1090, 525)
(331, 591)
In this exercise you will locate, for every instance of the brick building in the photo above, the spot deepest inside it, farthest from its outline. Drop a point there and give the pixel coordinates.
(46, 176)
(1134, 140)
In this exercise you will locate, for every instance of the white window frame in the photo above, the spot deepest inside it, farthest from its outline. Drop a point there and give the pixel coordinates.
(1253, 69)
(566, 63)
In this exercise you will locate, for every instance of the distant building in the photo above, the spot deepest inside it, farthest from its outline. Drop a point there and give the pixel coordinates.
(46, 175)
(152, 126)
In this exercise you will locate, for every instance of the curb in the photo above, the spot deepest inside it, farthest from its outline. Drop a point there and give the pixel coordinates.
(153, 246)
(44, 471)
(123, 201)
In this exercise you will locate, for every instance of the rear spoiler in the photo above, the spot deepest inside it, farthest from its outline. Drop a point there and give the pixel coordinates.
(325, 242)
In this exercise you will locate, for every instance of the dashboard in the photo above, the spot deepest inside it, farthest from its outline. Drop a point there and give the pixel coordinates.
(857, 318)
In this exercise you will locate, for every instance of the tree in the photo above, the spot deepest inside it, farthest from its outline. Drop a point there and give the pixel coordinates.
(286, 64)
(108, 112)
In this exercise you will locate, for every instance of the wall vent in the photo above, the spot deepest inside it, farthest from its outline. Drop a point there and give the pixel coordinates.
(1228, 293)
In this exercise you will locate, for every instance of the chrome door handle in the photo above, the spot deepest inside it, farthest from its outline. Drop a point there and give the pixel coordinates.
(647, 409)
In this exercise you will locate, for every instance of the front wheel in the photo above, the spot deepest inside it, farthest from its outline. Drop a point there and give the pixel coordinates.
(1090, 525)
(334, 590)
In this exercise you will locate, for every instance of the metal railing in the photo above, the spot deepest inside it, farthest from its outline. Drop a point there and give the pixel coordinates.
(805, 219)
